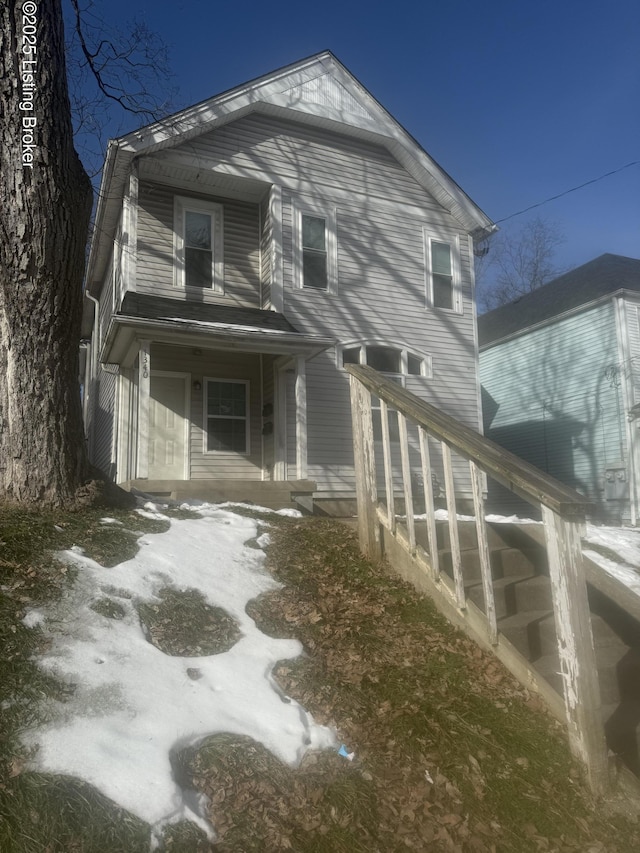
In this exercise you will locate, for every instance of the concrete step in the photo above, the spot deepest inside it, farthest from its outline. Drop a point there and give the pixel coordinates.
(622, 729)
(533, 594)
(529, 632)
(608, 659)
(504, 594)
(505, 562)
(274, 495)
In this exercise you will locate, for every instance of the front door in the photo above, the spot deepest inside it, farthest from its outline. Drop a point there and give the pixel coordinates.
(167, 427)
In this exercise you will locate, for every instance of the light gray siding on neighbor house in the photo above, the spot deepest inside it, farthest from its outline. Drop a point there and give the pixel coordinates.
(155, 258)
(552, 397)
(211, 364)
(631, 313)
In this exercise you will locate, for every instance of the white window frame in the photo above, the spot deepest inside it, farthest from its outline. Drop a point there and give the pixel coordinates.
(426, 366)
(181, 206)
(206, 416)
(453, 241)
(329, 214)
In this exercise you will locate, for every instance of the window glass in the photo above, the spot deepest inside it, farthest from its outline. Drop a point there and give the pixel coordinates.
(198, 256)
(442, 275)
(227, 416)
(384, 359)
(313, 233)
(314, 252)
(414, 365)
(197, 230)
(351, 356)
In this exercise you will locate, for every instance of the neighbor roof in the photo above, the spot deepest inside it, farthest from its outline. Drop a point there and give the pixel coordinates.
(593, 280)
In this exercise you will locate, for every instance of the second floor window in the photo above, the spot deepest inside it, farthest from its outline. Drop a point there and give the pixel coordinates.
(198, 239)
(315, 254)
(442, 273)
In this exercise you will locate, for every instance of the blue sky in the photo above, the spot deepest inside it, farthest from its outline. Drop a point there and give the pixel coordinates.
(518, 101)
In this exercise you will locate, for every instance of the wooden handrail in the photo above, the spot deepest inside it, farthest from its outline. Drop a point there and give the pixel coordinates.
(519, 476)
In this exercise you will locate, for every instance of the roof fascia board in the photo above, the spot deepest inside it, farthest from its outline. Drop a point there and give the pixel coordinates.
(184, 333)
(557, 318)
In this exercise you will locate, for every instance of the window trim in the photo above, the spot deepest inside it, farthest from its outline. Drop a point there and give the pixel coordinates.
(206, 416)
(181, 206)
(329, 214)
(426, 368)
(453, 241)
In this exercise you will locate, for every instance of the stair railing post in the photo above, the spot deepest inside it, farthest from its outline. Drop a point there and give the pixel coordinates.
(575, 646)
(406, 481)
(429, 503)
(454, 539)
(483, 551)
(388, 467)
(365, 470)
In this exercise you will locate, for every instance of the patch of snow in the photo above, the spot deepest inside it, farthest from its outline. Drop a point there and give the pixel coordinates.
(34, 618)
(263, 540)
(134, 705)
(108, 520)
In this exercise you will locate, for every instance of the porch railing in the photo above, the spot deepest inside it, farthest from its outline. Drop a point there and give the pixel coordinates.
(563, 515)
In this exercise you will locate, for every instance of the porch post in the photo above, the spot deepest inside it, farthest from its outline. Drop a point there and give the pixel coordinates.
(144, 394)
(301, 418)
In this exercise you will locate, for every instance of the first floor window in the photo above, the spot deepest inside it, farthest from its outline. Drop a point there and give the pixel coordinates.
(227, 416)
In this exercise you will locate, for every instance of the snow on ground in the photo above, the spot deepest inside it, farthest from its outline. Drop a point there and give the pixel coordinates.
(624, 543)
(134, 705)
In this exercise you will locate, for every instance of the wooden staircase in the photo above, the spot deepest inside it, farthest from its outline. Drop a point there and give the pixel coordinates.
(524, 610)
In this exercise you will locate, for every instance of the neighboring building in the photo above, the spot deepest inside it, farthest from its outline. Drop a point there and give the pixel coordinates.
(560, 373)
(246, 248)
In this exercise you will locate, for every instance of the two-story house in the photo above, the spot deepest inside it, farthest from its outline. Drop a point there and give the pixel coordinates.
(244, 250)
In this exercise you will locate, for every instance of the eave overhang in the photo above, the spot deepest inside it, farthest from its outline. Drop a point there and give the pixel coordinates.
(124, 333)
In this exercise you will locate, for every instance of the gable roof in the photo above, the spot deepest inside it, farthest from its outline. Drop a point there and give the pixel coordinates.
(598, 278)
(319, 91)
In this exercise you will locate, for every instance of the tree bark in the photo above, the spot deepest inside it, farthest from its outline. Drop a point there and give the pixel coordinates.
(45, 207)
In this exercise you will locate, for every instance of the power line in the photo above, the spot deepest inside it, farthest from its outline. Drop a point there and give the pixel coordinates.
(566, 192)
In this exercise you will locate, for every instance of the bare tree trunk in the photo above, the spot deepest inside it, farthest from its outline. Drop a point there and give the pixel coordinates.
(45, 205)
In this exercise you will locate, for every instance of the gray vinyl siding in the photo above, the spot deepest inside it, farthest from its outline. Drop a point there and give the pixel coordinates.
(265, 254)
(155, 258)
(104, 419)
(381, 214)
(551, 396)
(268, 399)
(106, 305)
(308, 159)
(213, 364)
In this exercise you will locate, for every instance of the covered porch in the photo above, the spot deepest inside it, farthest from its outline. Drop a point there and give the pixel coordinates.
(208, 395)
